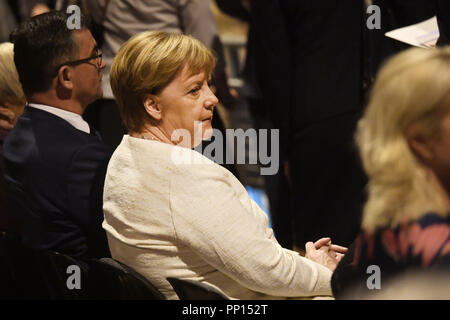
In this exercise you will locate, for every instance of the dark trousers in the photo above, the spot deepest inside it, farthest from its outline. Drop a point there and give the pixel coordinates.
(276, 186)
(328, 181)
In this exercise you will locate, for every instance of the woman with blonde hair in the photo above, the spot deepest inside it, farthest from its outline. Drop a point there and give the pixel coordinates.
(12, 103)
(404, 143)
(12, 98)
(170, 211)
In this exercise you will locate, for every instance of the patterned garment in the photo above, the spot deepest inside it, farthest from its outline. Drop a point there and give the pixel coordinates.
(421, 247)
(421, 244)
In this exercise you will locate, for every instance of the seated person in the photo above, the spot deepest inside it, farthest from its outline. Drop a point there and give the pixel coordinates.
(404, 142)
(54, 163)
(170, 211)
(12, 102)
(409, 285)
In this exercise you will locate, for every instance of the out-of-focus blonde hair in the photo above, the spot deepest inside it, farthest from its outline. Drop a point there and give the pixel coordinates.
(412, 88)
(147, 63)
(10, 87)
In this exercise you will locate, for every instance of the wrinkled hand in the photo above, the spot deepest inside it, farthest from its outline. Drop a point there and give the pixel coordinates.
(325, 253)
(7, 119)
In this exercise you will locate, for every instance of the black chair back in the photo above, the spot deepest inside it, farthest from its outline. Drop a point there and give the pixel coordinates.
(66, 276)
(195, 290)
(26, 277)
(112, 280)
(31, 274)
(7, 290)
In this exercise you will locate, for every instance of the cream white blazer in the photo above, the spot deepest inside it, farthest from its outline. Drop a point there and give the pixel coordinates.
(171, 212)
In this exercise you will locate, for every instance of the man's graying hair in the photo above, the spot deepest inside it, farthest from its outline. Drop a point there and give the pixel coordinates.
(41, 44)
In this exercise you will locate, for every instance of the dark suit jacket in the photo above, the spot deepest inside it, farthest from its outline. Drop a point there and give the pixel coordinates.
(267, 73)
(443, 17)
(54, 175)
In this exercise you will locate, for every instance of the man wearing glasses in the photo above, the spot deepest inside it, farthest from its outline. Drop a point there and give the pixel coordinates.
(54, 163)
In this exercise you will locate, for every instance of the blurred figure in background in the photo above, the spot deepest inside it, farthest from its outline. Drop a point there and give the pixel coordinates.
(267, 78)
(404, 142)
(7, 21)
(12, 103)
(12, 98)
(309, 66)
(442, 8)
(334, 59)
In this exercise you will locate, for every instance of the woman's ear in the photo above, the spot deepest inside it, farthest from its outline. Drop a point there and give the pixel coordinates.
(65, 77)
(152, 107)
(420, 143)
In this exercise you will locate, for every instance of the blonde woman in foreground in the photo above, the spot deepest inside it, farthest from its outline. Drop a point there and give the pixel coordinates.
(404, 143)
(171, 212)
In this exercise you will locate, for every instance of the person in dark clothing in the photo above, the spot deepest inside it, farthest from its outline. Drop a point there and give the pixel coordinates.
(267, 78)
(443, 18)
(54, 163)
(309, 68)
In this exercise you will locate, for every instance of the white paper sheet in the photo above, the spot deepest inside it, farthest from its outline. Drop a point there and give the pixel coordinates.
(424, 34)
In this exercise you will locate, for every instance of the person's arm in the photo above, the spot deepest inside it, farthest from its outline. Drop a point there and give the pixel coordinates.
(85, 182)
(220, 223)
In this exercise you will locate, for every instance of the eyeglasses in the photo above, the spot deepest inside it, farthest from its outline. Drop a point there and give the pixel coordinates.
(98, 63)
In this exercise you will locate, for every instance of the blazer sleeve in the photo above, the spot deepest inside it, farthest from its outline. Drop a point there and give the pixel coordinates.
(215, 221)
(86, 177)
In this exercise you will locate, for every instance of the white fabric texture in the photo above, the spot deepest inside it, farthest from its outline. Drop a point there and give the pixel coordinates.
(196, 221)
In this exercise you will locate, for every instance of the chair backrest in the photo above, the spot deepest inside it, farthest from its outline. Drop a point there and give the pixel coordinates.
(112, 280)
(195, 290)
(7, 289)
(25, 274)
(66, 276)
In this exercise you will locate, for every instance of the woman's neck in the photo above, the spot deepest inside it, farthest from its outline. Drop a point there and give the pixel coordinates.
(153, 133)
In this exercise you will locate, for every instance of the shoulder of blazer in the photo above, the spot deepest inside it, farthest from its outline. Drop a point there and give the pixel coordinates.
(48, 130)
(46, 122)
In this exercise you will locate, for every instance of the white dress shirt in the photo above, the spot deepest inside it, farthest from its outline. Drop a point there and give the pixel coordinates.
(73, 118)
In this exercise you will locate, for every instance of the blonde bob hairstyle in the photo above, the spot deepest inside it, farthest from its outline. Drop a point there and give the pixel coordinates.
(412, 88)
(147, 63)
(10, 87)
